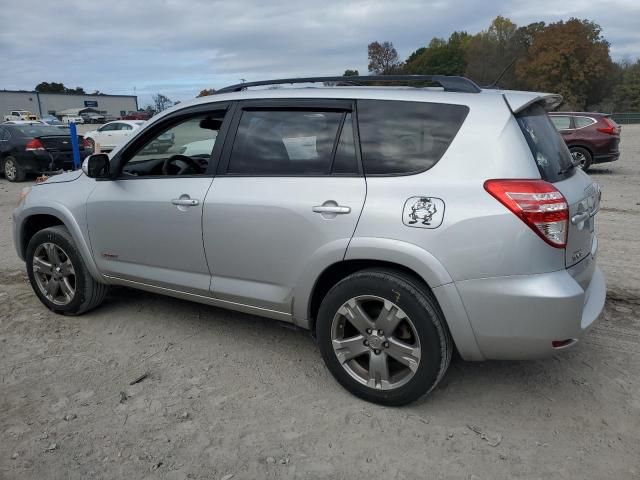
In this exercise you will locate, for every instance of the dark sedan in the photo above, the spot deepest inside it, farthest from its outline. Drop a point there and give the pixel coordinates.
(35, 149)
(591, 137)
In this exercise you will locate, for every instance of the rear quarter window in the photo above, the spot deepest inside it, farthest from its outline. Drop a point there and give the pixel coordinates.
(400, 138)
(549, 151)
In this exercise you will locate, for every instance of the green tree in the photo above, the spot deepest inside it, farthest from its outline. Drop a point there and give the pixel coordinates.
(350, 73)
(491, 52)
(383, 58)
(626, 96)
(440, 57)
(53, 87)
(570, 58)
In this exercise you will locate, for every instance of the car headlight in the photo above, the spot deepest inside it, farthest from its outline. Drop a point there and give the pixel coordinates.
(23, 195)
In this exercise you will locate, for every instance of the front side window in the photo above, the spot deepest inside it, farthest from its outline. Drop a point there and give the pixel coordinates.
(285, 142)
(108, 128)
(406, 137)
(184, 148)
(561, 122)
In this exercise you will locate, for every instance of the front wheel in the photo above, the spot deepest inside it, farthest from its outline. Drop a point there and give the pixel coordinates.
(382, 336)
(58, 274)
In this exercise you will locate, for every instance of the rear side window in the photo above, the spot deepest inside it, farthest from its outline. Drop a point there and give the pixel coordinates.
(584, 121)
(288, 142)
(549, 151)
(406, 137)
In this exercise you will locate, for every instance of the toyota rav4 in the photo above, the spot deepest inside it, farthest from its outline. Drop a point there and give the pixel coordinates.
(395, 223)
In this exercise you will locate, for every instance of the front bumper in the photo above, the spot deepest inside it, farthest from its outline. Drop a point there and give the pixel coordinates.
(517, 317)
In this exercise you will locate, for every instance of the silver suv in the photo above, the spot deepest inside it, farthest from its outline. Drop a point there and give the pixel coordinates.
(396, 223)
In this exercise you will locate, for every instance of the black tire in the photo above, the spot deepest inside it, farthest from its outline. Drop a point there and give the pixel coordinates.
(418, 303)
(88, 292)
(583, 156)
(14, 172)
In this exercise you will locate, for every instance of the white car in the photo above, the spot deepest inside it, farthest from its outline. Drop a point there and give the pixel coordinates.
(199, 148)
(72, 119)
(112, 134)
(20, 115)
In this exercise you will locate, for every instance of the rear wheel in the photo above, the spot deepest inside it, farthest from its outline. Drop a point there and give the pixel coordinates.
(581, 157)
(13, 171)
(58, 274)
(383, 337)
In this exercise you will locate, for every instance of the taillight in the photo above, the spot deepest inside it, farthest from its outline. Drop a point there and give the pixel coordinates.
(611, 128)
(34, 144)
(538, 204)
(85, 143)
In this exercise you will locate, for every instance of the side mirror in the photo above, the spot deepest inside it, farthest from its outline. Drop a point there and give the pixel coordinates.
(96, 165)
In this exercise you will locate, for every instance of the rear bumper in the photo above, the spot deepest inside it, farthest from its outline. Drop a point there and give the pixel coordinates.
(518, 317)
(606, 157)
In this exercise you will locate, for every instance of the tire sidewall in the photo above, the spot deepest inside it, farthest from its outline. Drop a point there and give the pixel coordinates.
(61, 237)
(18, 175)
(416, 305)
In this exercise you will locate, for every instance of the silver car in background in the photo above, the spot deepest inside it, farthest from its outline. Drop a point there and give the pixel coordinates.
(396, 223)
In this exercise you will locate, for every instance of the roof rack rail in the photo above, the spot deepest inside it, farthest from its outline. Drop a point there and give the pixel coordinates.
(449, 83)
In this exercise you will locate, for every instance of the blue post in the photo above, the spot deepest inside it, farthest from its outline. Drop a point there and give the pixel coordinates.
(74, 146)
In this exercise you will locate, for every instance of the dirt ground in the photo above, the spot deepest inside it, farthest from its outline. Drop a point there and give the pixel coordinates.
(235, 396)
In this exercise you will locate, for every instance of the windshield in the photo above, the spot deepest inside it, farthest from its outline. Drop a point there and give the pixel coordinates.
(547, 146)
(39, 130)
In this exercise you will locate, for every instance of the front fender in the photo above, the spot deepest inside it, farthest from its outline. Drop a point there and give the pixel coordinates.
(64, 214)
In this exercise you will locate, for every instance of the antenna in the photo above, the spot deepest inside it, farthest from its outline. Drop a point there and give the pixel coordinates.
(506, 69)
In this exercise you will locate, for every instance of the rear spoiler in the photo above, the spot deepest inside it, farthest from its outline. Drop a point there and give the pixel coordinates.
(519, 101)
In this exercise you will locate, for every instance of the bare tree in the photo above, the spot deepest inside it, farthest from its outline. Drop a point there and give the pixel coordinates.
(161, 102)
(383, 58)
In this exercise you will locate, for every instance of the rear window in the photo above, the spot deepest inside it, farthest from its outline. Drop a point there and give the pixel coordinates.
(39, 131)
(406, 137)
(549, 151)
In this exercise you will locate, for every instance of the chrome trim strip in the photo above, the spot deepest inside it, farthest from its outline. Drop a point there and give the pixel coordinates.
(216, 302)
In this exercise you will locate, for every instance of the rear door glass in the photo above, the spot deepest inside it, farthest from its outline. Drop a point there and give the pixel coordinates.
(399, 138)
(583, 121)
(549, 151)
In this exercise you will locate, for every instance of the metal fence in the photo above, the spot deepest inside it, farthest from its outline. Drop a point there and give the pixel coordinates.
(626, 118)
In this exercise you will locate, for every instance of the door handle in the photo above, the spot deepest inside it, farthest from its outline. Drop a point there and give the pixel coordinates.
(185, 202)
(580, 217)
(337, 209)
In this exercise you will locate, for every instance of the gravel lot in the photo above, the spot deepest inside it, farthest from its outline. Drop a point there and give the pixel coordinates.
(235, 396)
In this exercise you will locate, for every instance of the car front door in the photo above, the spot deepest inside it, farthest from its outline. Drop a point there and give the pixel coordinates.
(286, 200)
(145, 223)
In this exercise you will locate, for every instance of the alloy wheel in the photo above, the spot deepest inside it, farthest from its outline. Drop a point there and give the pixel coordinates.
(375, 342)
(54, 274)
(10, 170)
(579, 158)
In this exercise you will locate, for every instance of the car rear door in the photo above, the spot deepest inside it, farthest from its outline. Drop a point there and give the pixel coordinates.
(286, 199)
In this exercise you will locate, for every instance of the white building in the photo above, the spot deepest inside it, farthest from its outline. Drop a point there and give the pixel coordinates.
(53, 103)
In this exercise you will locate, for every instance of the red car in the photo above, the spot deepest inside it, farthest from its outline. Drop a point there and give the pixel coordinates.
(591, 137)
(136, 116)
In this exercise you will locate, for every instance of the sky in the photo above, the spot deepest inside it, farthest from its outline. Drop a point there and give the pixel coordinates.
(179, 47)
